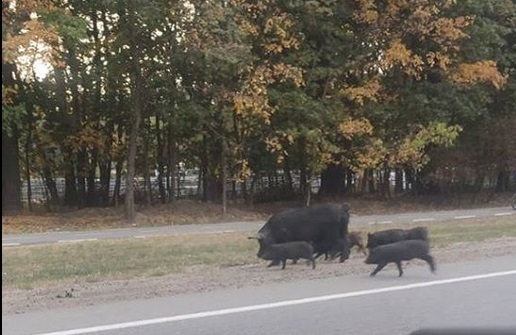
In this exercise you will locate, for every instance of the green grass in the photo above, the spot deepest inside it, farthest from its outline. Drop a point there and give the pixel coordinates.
(474, 231)
(455, 231)
(30, 267)
(35, 266)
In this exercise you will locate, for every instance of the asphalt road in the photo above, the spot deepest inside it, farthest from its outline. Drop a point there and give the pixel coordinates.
(10, 240)
(473, 295)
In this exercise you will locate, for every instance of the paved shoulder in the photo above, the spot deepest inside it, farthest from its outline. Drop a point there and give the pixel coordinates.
(471, 294)
(11, 240)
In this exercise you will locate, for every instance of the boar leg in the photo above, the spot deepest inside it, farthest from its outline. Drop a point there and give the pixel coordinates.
(273, 263)
(378, 268)
(284, 262)
(429, 259)
(361, 248)
(400, 270)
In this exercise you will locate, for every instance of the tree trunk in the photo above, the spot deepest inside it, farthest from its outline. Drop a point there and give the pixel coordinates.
(212, 189)
(223, 162)
(160, 153)
(91, 195)
(81, 180)
(28, 143)
(245, 192)
(70, 193)
(333, 180)
(118, 182)
(368, 182)
(105, 165)
(146, 165)
(172, 165)
(410, 179)
(308, 196)
(105, 181)
(303, 173)
(130, 210)
(135, 110)
(11, 185)
(398, 183)
(205, 170)
(288, 175)
(502, 181)
(200, 179)
(350, 185)
(386, 186)
(51, 185)
(11, 195)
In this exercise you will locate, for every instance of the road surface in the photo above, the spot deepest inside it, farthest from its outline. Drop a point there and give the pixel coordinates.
(143, 232)
(479, 294)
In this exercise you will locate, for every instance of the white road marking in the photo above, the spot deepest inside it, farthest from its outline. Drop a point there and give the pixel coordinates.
(10, 244)
(379, 222)
(423, 220)
(464, 217)
(503, 214)
(208, 232)
(175, 318)
(78, 240)
(141, 236)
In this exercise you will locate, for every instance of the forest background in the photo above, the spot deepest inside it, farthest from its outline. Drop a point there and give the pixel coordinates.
(124, 102)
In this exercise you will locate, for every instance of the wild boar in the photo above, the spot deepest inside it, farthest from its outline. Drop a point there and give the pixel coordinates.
(400, 251)
(280, 252)
(394, 235)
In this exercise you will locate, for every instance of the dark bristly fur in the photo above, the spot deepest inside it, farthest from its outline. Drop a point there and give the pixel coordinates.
(400, 251)
(332, 251)
(290, 250)
(395, 235)
(323, 224)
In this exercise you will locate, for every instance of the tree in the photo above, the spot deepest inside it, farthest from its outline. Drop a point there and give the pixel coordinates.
(22, 34)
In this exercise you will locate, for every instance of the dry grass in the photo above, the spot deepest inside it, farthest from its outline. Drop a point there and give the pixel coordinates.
(470, 230)
(36, 266)
(190, 211)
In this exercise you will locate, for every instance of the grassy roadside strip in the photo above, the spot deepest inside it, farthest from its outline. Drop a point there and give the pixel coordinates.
(35, 266)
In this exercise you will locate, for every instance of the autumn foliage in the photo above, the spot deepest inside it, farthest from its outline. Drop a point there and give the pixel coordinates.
(245, 90)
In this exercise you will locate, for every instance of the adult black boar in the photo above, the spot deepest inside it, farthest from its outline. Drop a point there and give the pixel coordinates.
(395, 235)
(400, 251)
(325, 224)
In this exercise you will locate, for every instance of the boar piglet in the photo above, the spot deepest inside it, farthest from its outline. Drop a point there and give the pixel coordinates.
(399, 251)
(290, 250)
(355, 239)
(395, 235)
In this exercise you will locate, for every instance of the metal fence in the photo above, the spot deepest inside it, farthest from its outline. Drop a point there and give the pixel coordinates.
(187, 187)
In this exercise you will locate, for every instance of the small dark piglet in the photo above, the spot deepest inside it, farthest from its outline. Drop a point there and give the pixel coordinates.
(355, 239)
(290, 250)
(399, 251)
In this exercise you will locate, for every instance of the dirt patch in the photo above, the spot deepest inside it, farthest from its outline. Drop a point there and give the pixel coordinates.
(204, 279)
